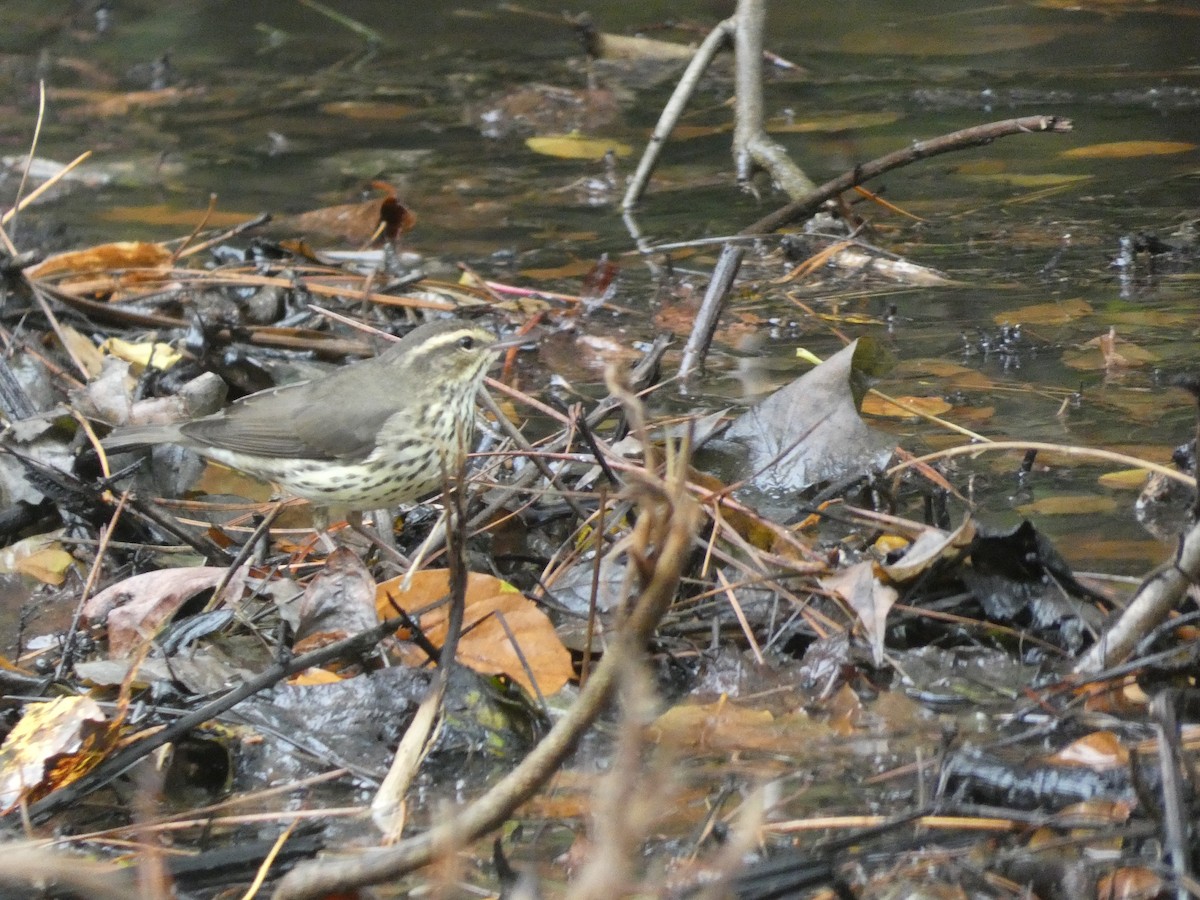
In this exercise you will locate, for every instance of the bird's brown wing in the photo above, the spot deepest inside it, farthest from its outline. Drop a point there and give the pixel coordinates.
(335, 418)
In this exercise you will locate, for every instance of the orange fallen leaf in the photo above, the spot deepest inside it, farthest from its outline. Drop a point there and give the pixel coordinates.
(485, 645)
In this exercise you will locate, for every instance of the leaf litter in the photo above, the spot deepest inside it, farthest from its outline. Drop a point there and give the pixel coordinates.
(864, 636)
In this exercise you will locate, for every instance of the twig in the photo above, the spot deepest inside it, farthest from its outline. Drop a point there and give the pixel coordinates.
(717, 38)
(976, 136)
(705, 325)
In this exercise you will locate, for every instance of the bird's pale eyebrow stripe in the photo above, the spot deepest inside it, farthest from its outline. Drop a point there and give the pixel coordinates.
(442, 340)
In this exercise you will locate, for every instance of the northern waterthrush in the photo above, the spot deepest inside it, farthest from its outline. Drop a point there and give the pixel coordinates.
(374, 434)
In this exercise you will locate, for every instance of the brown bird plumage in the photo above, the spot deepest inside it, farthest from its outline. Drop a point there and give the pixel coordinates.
(373, 434)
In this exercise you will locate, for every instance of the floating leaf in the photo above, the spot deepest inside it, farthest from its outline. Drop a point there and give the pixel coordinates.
(1127, 149)
(1068, 505)
(1028, 180)
(1126, 479)
(367, 110)
(575, 146)
(875, 405)
(833, 121)
(1059, 312)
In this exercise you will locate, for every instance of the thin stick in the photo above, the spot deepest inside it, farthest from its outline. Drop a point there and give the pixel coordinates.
(976, 136)
(717, 38)
(705, 325)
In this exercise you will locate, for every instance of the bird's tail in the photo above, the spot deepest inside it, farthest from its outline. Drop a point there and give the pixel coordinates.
(134, 436)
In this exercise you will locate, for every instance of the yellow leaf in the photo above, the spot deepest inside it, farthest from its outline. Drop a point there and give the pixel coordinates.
(1068, 505)
(1128, 149)
(48, 565)
(1126, 479)
(574, 146)
(146, 353)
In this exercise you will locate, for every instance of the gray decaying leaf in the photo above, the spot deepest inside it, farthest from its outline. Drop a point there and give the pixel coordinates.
(809, 431)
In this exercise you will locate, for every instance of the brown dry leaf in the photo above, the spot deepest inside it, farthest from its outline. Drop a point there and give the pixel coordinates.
(217, 480)
(48, 734)
(870, 598)
(576, 146)
(484, 645)
(368, 110)
(1131, 882)
(135, 609)
(339, 601)
(1058, 312)
(1099, 750)
(103, 258)
(355, 223)
(1127, 150)
(1069, 505)
(874, 405)
(81, 348)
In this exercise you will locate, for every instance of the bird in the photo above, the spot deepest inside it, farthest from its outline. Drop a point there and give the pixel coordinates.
(371, 435)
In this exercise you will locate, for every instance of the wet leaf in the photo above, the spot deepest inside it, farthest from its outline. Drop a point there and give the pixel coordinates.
(40, 556)
(576, 146)
(339, 601)
(1127, 150)
(33, 758)
(833, 121)
(1059, 312)
(484, 645)
(1131, 883)
(1109, 353)
(1069, 505)
(367, 110)
(723, 725)
(874, 405)
(931, 546)
(383, 219)
(809, 431)
(870, 598)
(135, 609)
(1099, 750)
(1126, 479)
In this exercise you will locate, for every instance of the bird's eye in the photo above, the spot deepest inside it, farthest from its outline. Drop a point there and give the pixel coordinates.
(466, 343)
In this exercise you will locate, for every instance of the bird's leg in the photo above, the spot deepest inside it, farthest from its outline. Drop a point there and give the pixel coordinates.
(382, 538)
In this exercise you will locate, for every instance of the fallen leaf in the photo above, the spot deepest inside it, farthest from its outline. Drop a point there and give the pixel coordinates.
(875, 405)
(36, 748)
(809, 431)
(575, 146)
(1058, 312)
(1127, 149)
(869, 597)
(485, 645)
